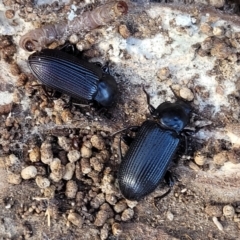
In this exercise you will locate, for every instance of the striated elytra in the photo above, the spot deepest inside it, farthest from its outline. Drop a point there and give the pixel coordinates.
(73, 76)
(151, 151)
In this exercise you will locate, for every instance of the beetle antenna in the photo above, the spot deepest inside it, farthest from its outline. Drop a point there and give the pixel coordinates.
(150, 107)
(133, 128)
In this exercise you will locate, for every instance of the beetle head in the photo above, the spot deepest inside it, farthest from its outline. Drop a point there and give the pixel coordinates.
(107, 89)
(173, 116)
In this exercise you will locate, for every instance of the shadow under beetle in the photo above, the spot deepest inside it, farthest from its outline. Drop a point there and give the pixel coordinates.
(73, 76)
(146, 162)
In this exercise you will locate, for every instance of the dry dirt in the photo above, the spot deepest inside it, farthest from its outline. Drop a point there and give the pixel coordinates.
(193, 48)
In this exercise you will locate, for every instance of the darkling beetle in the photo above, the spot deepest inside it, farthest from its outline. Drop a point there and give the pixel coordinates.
(73, 76)
(147, 160)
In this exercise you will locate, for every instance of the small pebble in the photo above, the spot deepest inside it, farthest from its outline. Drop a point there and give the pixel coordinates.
(127, 214)
(217, 223)
(163, 73)
(97, 142)
(34, 154)
(124, 32)
(104, 232)
(46, 153)
(71, 189)
(11, 160)
(194, 166)
(73, 39)
(120, 206)
(9, 14)
(42, 182)
(116, 229)
(86, 152)
(73, 156)
(101, 218)
(64, 143)
(228, 211)
(186, 93)
(29, 172)
(75, 219)
(69, 171)
(170, 216)
(85, 166)
(220, 158)
(58, 170)
(199, 159)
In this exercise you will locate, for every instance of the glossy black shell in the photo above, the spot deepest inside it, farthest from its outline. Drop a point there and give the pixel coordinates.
(146, 160)
(73, 76)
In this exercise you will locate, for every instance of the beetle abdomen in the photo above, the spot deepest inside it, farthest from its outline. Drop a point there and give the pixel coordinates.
(147, 160)
(65, 73)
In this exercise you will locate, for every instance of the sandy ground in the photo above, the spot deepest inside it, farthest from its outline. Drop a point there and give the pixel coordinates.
(59, 163)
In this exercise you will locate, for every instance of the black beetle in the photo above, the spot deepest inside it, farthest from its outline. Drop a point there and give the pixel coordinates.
(151, 151)
(73, 76)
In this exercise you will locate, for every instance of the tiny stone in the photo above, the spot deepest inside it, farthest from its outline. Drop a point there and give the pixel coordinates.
(170, 216)
(104, 232)
(85, 165)
(116, 229)
(71, 189)
(64, 143)
(49, 192)
(97, 142)
(12, 160)
(86, 152)
(9, 14)
(220, 158)
(228, 211)
(101, 218)
(98, 201)
(96, 164)
(217, 223)
(186, 93)
(193, 166)
(199, 159)
(73, 156)
(58, 170)
(42, 182)
(75, 219)
(14, 69)
(131, 204)
(120, 206)
(127, 214)
(124, 32)
(218, 31)
(163, 73)
(29, 172)
(34, 154)
(69, 171)
(206, 29)
(46, 153)
(111, 199)
(73, 39)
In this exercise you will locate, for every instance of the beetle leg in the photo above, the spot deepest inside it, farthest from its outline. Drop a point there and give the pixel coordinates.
(170, 182)
(127, 139)
(105, 68)
(169, 179)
